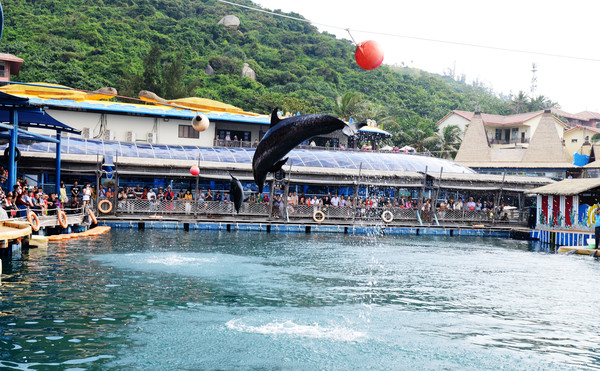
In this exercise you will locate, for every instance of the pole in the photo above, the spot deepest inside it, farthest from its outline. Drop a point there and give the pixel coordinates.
(12, 164)
(356, 194)
(496, 204)
(271, 193)
(58, 160)
(437, 195)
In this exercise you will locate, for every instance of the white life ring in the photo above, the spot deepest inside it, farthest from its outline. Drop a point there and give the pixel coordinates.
(387, 216)
(318, 216)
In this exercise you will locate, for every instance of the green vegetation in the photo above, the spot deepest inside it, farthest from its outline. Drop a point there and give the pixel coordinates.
(165, 45)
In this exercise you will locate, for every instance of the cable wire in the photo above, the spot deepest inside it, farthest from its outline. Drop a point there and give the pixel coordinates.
(417, 38)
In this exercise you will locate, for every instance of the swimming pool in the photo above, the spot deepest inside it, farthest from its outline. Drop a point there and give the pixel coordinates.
(243, 300)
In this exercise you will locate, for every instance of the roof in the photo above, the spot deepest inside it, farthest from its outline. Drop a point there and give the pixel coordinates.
(568, 187)
(16, 62)
(29, 116)
(582, 116)
(545, 144)
(62, 97)
(581, 127)
(475, 145)
(519, 165)
(499, 120)
(298, 157)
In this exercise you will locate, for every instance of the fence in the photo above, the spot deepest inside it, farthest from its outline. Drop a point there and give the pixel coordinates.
(215, 210)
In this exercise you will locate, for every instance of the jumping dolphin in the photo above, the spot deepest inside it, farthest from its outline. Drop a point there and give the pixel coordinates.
(237, 193)
(284, 135)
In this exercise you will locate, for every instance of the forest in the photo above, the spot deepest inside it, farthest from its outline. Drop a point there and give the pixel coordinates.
(165, 46)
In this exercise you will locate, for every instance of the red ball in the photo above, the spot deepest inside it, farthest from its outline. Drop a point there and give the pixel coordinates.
(195, 170)
(368, 55)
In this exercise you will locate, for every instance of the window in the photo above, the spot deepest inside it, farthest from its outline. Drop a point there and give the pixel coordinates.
(233, 134)
(498, 134)
(187, 131)
(2, 69)
(573, 140)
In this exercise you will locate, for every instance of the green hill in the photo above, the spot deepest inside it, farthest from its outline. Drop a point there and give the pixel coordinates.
(165, 45)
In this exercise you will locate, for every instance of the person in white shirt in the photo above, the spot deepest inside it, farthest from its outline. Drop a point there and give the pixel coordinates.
(151, 196)
(87, 194)
(335, 200)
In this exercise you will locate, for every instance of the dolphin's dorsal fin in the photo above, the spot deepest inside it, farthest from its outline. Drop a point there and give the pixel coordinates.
(277, 166)
(275, 117)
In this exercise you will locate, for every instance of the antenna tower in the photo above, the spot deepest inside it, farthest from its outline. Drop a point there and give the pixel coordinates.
(533, 80)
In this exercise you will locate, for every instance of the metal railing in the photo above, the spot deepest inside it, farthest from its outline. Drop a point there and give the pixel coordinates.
(215, 210)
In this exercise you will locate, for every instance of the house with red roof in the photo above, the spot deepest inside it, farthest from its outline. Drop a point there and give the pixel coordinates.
(585, 118)
(9, 65)
(503, 131)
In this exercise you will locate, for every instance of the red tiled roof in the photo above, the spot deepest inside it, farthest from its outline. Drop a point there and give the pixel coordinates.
(582, 116)
(579, 127)
(15, 61)
(589, 115)
(518, 118)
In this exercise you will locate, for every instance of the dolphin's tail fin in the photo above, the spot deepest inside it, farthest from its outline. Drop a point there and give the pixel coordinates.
(352, 128)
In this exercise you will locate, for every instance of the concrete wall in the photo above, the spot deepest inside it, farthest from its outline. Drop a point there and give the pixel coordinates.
(579, 136)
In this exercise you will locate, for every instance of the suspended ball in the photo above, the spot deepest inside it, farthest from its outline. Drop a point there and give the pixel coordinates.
(368, 55)
(200, 122)
(195, 170)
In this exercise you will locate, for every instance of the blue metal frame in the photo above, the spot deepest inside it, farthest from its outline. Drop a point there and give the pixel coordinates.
(14, 105)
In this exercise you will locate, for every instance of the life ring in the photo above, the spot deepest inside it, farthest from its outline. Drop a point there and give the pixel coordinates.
(33, 219)
(62, 219)
(318, 216)
(108, 209)
(591, 216)
(17, 154)
(92, 216)
(387, 216)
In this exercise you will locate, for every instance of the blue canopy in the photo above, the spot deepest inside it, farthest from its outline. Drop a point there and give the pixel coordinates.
(36, 118)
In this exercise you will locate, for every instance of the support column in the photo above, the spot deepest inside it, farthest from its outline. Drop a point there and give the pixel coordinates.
(58, 159)
(12, 165)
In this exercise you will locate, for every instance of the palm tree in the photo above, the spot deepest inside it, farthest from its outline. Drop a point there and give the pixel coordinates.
(352, 105)
(420, 136)
(520, 102)
(449, 141)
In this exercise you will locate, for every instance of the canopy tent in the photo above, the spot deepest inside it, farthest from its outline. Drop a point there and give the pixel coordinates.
(16, 113)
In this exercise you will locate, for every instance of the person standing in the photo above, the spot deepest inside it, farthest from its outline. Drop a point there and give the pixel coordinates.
(63, 194)
(597, 227)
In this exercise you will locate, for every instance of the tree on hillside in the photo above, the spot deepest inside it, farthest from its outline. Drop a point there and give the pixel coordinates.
(520, 102)
(449, 141)
(351, 105)
(420, 136)
(152, 76)
(541, 103)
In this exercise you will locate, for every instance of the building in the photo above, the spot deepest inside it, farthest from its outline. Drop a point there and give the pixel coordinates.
(585, 118)
(503, 131)
(150, 121)
(544, 155)
(578, 139)
(9, 65)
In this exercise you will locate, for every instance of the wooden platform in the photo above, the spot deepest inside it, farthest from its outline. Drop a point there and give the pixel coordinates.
(580, 250)
(12, 230)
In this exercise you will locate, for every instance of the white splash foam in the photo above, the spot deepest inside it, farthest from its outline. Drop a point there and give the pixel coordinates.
(293, 329)
(174, 259)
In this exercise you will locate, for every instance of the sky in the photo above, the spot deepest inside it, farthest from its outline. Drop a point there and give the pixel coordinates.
(567, 28)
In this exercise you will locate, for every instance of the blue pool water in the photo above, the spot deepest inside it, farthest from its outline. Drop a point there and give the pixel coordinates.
(243, 300)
